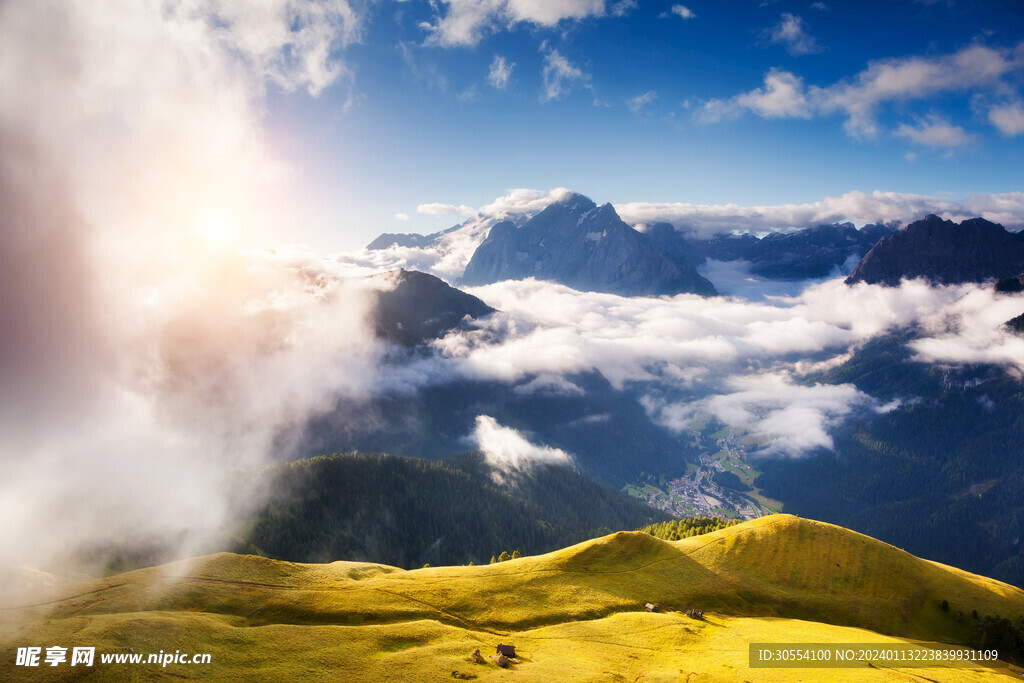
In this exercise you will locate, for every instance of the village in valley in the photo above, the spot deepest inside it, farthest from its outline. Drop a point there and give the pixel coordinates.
(721, 485)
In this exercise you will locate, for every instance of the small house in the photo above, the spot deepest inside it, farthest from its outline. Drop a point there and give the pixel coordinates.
(507, 650)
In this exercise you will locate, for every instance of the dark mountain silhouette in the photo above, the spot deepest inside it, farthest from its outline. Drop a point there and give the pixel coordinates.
(943, 252)
(421, 307)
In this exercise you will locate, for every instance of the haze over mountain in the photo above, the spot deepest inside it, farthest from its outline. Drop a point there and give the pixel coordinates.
(810, 253)
(802, 254)
(943, 252)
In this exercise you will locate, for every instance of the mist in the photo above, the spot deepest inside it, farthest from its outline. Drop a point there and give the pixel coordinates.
(146, 354)
(508, 452)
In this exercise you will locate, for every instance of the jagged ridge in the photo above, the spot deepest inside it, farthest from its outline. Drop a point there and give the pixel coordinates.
(943, 252)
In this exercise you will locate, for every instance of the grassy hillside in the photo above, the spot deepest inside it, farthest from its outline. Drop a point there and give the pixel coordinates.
(574, 614)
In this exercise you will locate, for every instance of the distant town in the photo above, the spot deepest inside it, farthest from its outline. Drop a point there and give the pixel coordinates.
(720, 486)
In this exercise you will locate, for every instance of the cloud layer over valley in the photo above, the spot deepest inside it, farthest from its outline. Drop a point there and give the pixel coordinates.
(733, 359)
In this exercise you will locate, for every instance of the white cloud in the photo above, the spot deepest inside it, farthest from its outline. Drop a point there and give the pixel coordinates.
(622, 8)
(134, 123)
(934, 132)
(401, 216)
(469, 94)
(551, 329)
(859, 207)
(787, 419)
(781, 97)
(683, 11)
(1008, 118)
(554, 385)
(550, 12)
(291, 42)
(974, 68)
(421, 67)
(466, 21)
(559, 76)
(522, 200)
(507, 451)
(636, 104)
(791, 33)
(446, 257)
(439, 209)
(727, 357)
(500, 73)
(973, 330)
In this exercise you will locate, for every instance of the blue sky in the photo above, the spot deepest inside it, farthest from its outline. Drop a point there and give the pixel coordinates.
(642, 101)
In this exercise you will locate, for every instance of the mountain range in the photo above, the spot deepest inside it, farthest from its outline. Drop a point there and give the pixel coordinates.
(811, 253)
(588, 247)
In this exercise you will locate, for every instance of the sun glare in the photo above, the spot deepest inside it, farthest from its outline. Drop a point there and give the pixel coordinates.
(215, 227)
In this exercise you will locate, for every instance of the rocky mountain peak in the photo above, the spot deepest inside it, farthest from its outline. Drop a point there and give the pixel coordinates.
(585, 246)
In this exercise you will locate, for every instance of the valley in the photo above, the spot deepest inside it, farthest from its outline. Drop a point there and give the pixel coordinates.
(701, 491)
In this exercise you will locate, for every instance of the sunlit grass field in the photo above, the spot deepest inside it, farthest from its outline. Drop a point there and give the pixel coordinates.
(573, 614)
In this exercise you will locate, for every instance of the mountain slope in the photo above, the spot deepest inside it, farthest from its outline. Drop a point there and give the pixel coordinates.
(576, 613)
(943, 252)
(407, 511)
(940, 474)
(587, 247)
(608, 432)
(418, 307)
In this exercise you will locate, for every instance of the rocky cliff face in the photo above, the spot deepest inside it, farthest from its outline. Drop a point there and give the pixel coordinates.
(943, 252)
(585, 246)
